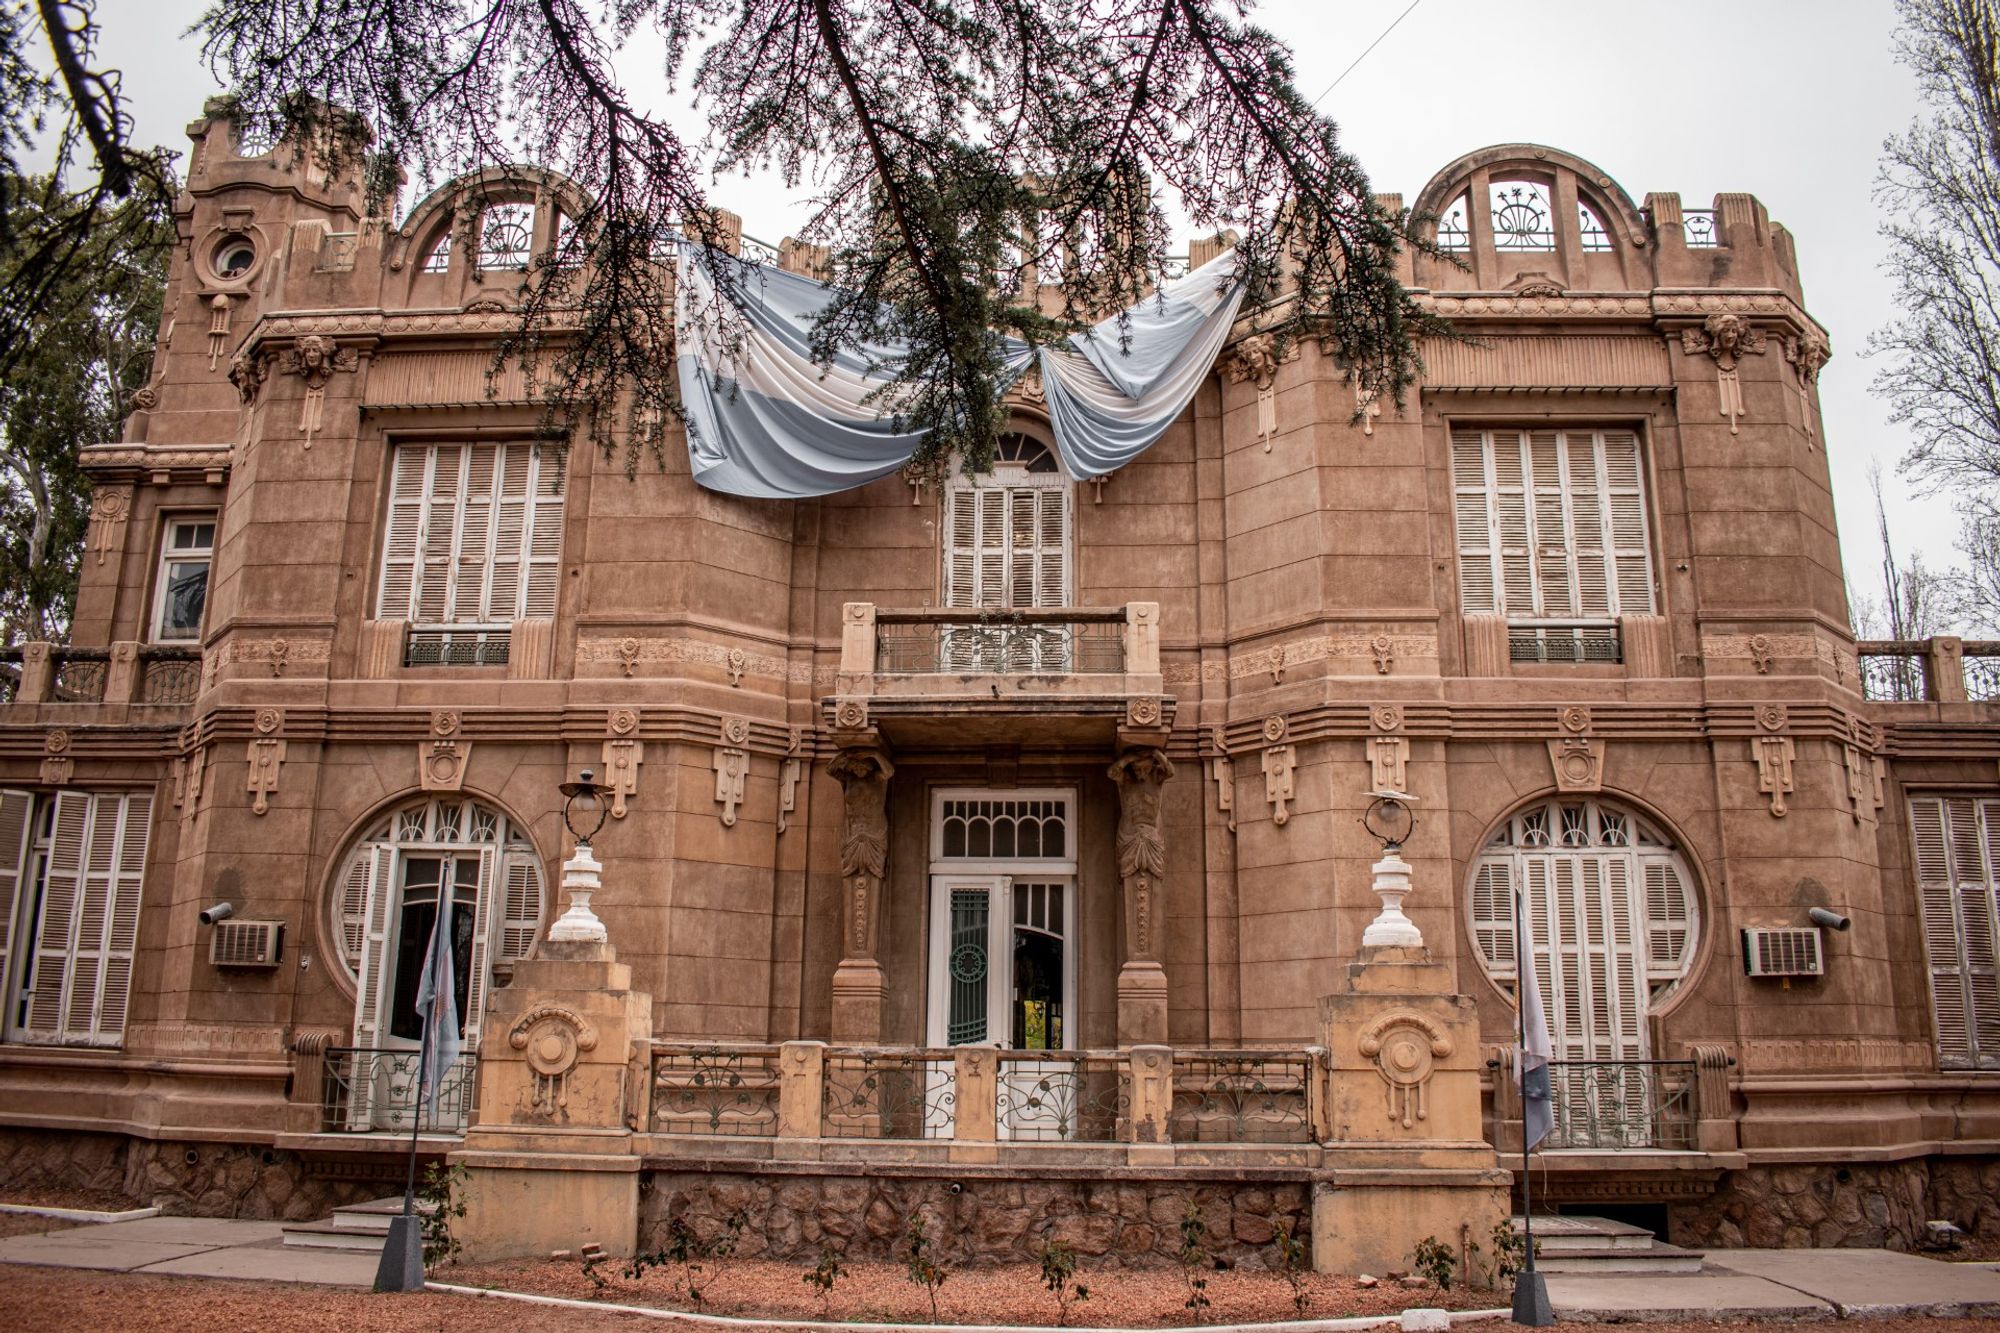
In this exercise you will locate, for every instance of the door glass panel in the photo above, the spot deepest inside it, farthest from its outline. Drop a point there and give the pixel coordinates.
(966, 966)
(1038, 967)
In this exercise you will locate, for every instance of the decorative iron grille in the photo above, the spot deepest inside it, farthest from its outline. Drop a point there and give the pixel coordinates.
(1523, 218)
(716, 1090)
(868, 1094)
(1698, 225)
(1001, 643)
(1981, 665)
(1622, 1104)
(79, 676)
(456, 647)
(758, 252)
(1230, 1097)
(1063, 1096)
(1565, 643)
(169, 676)
(1897, 675)
(367, 1090)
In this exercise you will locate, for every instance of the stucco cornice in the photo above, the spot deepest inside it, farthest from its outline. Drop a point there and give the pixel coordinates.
(180, 462)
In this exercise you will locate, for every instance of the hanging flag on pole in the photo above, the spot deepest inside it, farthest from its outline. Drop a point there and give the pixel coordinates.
(437, 1005)
(1531, 1063)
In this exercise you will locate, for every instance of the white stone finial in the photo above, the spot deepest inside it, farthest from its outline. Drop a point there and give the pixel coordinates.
(580, 878)
(1391, 929)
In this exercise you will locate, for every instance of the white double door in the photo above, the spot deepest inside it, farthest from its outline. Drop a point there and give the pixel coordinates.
(1003, 974)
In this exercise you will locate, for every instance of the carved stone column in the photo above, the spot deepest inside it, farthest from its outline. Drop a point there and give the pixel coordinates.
(859, 986)
(1142, 869)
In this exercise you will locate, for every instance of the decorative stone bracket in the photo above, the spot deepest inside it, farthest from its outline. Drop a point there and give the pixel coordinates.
(623, 754)
(1223, 769)
(441, 761)
(57, 765)
(266, 756)
(1865, 777)
(1774, 754)
(1256, 359)
(1280, 761)
(1727, 338)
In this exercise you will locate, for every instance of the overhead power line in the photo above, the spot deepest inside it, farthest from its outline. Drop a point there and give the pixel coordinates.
(1364, 55)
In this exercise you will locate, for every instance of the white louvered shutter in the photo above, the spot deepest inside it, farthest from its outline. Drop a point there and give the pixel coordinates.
(1937, 900)
(402, 532)
(1625, 521)
(17, 836)
(1472, 499)
(435, 565)
(521, 906)
(55, 924)
(1980, 913)
(354, 904)
(1551, 524)
(1669, 918)
(373, 985)
(1493, 915)
(121, 932)
(543, 574)
(484, 929)
(475, 560)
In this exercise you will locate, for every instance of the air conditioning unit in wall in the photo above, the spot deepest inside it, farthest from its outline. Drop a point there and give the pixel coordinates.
(1783, 951)
(246, 943)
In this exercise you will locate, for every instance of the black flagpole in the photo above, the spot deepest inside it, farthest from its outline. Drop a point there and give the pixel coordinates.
(1531, 1289)
(402, 1266)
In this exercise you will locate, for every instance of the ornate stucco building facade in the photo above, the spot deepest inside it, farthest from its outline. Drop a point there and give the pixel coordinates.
(1067, 768)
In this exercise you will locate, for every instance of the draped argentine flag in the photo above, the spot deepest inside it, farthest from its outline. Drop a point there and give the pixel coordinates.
(765, 420)
(1531, 1062)
(437, 1006)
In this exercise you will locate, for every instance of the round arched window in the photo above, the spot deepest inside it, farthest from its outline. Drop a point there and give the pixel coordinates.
(1609, 904)
(386, 903)
(234, 257)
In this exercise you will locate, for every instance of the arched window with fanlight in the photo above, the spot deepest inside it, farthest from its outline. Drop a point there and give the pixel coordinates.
(1610, 910)
(383, 914)
(1006, 548)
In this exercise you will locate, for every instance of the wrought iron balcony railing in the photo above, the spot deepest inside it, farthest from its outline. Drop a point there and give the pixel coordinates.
(880, 644)
(1564, 641)
(124, 673)
(457, 645)
(1939, 670)
(1620, 1104)
(366, 1090)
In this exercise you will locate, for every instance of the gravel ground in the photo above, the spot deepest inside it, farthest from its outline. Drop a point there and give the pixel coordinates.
(26, 1224)
(101, 1201)
(44, 1298)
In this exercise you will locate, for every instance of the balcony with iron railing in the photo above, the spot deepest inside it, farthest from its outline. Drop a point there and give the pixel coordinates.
(151, 676)
(1096, 667)
(1943, 669)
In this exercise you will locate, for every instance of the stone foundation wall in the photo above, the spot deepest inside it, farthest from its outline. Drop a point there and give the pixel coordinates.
(1865, 1204)
(1126, 1222)
(189, 1179)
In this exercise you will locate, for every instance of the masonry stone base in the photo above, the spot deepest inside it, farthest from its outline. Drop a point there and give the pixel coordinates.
(189, 1179)
(1862, 1204)
(1119, 1218)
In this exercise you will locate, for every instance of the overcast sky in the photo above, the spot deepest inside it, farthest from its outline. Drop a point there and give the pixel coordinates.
(1788, 100)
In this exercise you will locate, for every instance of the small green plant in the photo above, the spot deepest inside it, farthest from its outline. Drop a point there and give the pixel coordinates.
(592, 1261)
(442, 1195)
(1292, 1264)
(1510, 1250)
(926, 1269)
(1059, 1276)
(1435, 1260)
(696, 1264)
(1195, 1262)
(823, 1275)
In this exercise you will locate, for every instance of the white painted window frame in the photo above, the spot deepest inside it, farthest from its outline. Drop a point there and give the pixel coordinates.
(169, 556)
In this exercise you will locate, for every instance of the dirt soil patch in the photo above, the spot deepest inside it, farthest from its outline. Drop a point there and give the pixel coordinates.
(875, 1292)
(99, 1201)
(135, 1303)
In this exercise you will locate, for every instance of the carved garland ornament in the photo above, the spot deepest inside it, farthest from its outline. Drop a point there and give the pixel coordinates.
(553, 1039)
(1405, 1047)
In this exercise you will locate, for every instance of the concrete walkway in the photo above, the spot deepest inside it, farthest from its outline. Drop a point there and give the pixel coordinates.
(1772, 1284)
(1733, 1284)
(191, 1247)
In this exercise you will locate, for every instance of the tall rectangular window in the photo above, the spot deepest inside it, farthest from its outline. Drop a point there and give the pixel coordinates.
(473, 543)
(1552, 535)
(1957, 842)
(181, 588)
(71, 869)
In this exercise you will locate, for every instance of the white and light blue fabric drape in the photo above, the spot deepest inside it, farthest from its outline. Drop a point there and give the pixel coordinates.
(765, 420)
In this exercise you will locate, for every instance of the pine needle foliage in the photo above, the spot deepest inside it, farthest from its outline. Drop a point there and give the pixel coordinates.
(978, 168)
